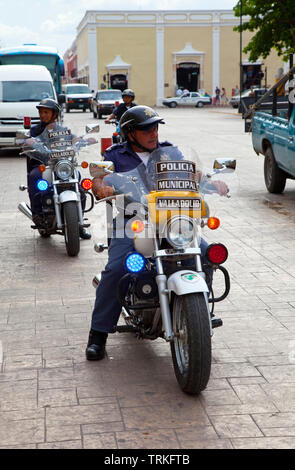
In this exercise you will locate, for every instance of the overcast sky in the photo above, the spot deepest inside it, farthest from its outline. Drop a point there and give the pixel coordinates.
(54, 22)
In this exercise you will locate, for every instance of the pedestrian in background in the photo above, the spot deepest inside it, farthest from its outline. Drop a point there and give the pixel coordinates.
(217, 96)
(223, 97)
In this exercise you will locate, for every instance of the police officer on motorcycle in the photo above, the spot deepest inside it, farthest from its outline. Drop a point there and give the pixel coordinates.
(128, 97)
(49, 111)
(139, 128)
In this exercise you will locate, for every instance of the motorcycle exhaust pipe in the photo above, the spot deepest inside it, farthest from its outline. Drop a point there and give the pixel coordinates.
(22, 207)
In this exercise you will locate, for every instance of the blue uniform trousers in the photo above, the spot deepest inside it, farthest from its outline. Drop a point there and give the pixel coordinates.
(107, 309)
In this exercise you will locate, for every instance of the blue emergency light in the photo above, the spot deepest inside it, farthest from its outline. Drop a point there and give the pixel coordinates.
(135, 262)
(42, 185)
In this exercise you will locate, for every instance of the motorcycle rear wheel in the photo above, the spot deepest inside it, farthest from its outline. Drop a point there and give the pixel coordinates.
(191, 347)
(71, 228)
(274, 177)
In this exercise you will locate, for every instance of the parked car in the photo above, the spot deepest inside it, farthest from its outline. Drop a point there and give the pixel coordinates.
(273, 135)
(192, 99)
(105, 101)
(22, 87)
(78, 96)
(235, 100)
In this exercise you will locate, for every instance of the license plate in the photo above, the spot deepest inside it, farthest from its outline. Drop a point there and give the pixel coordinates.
(81, 105)
(175, 203)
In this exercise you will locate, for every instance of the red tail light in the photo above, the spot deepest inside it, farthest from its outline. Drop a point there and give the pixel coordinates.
(217, 253)
(27, 122)
(87, 184)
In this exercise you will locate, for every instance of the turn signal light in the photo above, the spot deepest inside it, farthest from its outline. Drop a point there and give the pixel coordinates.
(217, 253)
(84, 164)
(42, 168)
(213, 223)
(87, 184)
(137, 226)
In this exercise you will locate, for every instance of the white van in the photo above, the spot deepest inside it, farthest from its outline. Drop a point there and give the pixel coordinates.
(78, 96)
(22, 87)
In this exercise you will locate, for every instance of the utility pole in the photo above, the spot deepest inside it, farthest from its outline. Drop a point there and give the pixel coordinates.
(241, 48)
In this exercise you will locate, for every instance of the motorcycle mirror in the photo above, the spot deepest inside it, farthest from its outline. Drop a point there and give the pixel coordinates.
(92, 128)
(98, 169)
(226, 165)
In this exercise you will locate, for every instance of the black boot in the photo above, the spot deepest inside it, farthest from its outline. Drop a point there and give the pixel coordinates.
(96, 345)
(83, 234)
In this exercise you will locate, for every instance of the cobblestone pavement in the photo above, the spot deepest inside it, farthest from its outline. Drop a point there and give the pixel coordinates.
(51, 397)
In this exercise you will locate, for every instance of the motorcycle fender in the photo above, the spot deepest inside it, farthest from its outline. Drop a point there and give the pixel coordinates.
(67, 196)
(186, 282)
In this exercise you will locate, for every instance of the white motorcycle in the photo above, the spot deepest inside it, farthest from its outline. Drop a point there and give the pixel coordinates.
(167, 290)
(59, 188)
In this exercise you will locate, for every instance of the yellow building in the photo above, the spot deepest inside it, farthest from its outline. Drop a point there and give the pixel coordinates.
(155, 52)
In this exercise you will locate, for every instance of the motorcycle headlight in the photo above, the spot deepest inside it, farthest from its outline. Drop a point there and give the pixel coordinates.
(64, 169)
(180, 232)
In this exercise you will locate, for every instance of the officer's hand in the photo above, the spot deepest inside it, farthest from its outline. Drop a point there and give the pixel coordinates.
(29, 142)
(100, 190)
(91, 140)
(221, 187)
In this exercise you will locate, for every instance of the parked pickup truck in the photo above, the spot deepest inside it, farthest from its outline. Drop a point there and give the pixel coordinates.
(273, 135)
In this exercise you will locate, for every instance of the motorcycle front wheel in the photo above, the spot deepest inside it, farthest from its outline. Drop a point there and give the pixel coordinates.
(191, 347)
(71, 228)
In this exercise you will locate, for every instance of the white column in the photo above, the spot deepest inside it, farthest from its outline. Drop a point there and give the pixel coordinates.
(92, 59)
(160, 65)
(216, 58)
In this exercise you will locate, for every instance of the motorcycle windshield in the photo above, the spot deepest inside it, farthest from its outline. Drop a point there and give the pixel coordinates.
(167, 170)
(58, 143)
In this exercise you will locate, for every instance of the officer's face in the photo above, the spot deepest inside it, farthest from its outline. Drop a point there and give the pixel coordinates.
(148, 139)
(127, 100)
(45, 115)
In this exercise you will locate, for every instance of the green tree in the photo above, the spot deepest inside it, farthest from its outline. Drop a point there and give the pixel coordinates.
(273, 24)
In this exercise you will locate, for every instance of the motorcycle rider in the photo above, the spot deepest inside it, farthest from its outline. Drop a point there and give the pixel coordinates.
(128, 97)
(139, 126)
(49, 111)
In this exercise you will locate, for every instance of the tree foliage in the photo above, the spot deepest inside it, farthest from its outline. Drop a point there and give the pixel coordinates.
(273, 24)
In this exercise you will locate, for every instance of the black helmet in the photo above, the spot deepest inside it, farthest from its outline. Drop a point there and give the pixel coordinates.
(49, 104)
(138, 118)
(128, 92)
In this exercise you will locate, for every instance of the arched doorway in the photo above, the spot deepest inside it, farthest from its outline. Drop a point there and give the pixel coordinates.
(119, 81)
(188, 75)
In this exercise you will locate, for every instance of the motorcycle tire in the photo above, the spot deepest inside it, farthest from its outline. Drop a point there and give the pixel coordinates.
(71, 228)
(191, 347)
(274, 177)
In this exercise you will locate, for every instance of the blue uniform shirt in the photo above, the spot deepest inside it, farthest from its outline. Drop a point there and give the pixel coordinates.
(123, 156)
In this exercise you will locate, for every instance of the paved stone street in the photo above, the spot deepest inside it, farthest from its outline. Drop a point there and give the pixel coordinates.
(51, 397)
